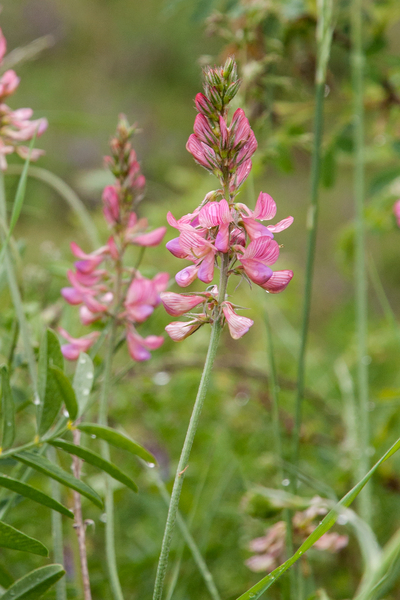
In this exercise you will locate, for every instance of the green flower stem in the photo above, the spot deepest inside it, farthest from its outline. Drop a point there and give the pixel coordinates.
(16, 297)
(105, 452)
(198, 558)
(190, 434)
(324, 36)
(56, 530)
(357, 63)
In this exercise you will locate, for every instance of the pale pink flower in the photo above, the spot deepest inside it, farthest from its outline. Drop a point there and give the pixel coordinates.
(179, 330)
(278, 281)
(178, 304)
(237, 324)
(257, 258)
(111, 205)
(9, 82)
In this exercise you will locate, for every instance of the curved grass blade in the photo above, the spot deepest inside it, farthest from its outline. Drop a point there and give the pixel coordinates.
(83, 381)
(5, 578)
(97, 461)
(8, 409)
(119, 440)
(43, 465)
(66, 391)
(33, 494)
(259, 588)
(35, 584)
(16, 540)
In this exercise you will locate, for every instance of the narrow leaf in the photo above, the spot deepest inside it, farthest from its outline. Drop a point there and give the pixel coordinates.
(54, 354)
(5, 578)
(42, 372)
(16, 540)
(51, 404)
(119, 440)
(66, 391)
(43, 465)
(33, 494)
(35, 584)
(259, 588)
(94, 459)
(83, 381)
(8, 409)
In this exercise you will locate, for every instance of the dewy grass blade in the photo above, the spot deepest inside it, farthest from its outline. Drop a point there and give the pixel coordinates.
(262, 586)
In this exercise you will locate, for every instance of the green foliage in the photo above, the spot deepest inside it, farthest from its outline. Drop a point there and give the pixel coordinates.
(16, 540)
(8, 410)
(119, 440)
(35, 584)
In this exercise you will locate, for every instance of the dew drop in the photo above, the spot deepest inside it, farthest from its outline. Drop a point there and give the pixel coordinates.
(93, 436)
(86, 392)
(89, 376)
(82, 361)
(9, 424)
(151, 465)
(103, 518)
(36, 401)
(285, 482)
(65, 413)
(342, 520)
(161, 378)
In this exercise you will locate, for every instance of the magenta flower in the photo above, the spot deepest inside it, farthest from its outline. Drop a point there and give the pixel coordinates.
(222, 230)
(139, 347)
(72, 350)
(396, 210)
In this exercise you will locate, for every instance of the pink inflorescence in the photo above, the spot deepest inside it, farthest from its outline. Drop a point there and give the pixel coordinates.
(15, 125)
(119, 292)
(221, 225)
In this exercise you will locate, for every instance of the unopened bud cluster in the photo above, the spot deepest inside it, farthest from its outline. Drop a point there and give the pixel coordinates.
(221, 225)
(15, 125)
(117, 291)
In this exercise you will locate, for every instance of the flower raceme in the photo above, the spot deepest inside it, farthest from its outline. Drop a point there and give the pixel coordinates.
(15, 125)
(102, 285)
(221, 226)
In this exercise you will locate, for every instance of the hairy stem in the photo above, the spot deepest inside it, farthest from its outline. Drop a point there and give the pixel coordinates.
(190, 434)
(79, 525)
(357, 63)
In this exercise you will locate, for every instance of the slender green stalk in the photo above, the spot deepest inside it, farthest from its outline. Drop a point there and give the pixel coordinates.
(357, 63)
(199, 560)
(382, 297)
(324, 35)
(16, 297)
(56, 530)
(66, 192)
(190, 434)
(105, 452)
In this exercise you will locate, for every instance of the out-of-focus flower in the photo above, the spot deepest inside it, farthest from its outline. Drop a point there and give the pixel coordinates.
(396, 210)
(117, 291)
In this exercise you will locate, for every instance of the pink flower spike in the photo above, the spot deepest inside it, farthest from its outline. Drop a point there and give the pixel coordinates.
(224, 132)
(150, 239)
(72, 350)
(222, 239)
(197, 150)
(215, 213)
(256, 271)
(179, 331)
(264, 249)
(265, 209)
(186, 276)
(178, 304)
(396, 210)
(278, 281)
(237, 324)
(203, 105)
(203, 130)
(240, 176)
(206, 270)
(111, 205)
(255, 230)
(241, 126)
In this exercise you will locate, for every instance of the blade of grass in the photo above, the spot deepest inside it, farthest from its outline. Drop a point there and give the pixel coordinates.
(66, 192)
(56, 530)
(357, 63)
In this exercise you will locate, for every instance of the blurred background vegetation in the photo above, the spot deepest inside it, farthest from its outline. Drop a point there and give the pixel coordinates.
(143, 59)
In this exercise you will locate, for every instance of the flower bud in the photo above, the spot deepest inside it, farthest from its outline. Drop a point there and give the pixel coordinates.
(178, 304)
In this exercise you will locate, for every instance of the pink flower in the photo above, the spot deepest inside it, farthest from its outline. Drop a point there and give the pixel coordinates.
(240, 127)
(257, 257)
(179, 304)
(203, 105)
(238, 325)
(203, 131)
(111, 205)
(139, 347)
(265, 210)
(3, 46)
(202, 153)
(9, 82)
(153, 238)
(72, 350)
(186, 276)
(142, 297)
(89, 262)
(178, 330)
(278, 281)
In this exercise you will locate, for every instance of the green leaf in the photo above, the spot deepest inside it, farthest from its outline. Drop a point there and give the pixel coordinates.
(5, 578)
(54, 354)
(16, 540)
(383, 179)
(42, 372)
(259, 588)
(35, 584)
(33, 494)
(94, 459)
(329, 167)
(45, 466)
(119, 440)
(66, 391)
(50, 407)
(83, 381)
(8, 409)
